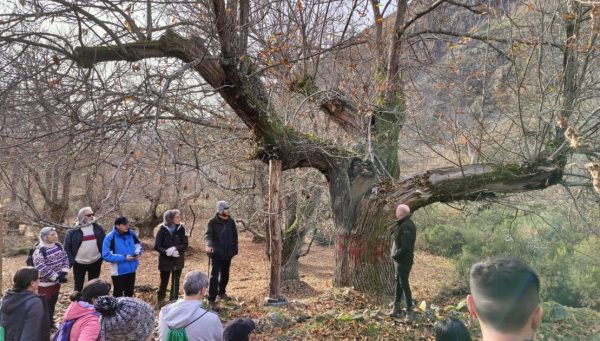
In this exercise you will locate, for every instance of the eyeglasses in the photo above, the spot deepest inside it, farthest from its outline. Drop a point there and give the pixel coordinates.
(89, 215)
(225, 208)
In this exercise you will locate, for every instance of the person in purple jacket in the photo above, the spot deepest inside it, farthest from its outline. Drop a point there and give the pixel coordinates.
(52, 262)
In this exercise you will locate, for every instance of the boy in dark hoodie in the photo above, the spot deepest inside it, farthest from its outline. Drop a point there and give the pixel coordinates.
(23, 313)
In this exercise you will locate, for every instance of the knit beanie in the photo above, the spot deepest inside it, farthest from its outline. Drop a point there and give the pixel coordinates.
(44, 232)
(124, 318)
(221, 206)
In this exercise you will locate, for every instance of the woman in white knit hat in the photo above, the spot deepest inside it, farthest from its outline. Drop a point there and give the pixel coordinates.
(53, 265)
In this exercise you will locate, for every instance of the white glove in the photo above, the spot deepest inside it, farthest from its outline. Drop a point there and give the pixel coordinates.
(170, 251)
(138, 249)
(175, 253)
(54, 277)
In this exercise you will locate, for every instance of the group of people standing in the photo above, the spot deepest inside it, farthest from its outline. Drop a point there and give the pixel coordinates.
(32, 300)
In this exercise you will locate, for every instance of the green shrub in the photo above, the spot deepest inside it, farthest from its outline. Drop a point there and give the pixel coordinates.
(566, 258)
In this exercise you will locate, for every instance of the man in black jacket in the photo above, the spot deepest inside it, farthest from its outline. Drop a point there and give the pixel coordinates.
(83, 244)
(221, 245)
(403, 254)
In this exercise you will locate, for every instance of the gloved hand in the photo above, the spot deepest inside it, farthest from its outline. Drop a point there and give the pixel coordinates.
(170, 251)
(175, 253)
(62, 277)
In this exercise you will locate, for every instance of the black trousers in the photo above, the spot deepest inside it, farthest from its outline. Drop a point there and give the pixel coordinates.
(79, 270)
(217, 286)
(402, 285)
(175, 275)
(123, 285)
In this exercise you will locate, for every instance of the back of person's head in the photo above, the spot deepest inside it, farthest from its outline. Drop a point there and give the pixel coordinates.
(121, 220)
(451, 329)
(124, 318)
(505, 293)
(194, 282)
(238, 330)
(92, 290)
(23, 278)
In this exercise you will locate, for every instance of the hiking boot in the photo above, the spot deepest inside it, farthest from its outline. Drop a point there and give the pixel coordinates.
(225, 297)
(397, 311)
(160, 304)
(212, 305)
(410, 316)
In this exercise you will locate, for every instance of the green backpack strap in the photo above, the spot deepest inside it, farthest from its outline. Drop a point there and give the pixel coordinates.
(179, 334)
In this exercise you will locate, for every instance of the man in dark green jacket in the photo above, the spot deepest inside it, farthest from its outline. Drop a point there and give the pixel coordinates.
(403, 254)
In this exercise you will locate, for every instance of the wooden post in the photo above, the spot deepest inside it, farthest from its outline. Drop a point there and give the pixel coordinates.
(275, 232)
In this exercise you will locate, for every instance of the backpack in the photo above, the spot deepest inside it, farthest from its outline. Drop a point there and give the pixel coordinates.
(179, 333)
(29, 260)
(64, 331)
(136, 240)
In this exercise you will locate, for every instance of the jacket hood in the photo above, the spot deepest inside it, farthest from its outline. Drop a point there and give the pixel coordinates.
(163, 226)
(15, 300)
(78, 309)
(181, 313)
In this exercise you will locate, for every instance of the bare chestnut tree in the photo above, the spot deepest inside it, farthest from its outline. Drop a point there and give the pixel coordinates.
(347, 67)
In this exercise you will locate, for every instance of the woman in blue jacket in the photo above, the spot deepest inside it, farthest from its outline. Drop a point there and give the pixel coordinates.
(121, 248)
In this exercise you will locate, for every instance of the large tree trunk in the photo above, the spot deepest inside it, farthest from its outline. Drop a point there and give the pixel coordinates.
(365, 227)
(367, 249)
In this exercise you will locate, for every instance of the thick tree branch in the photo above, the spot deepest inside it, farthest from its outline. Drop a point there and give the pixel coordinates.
(470, 182)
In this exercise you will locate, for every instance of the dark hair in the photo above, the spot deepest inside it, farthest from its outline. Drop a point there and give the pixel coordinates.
(451, 329)
(238, 329)
(505, 292)
(91, 290)
(121, 221)
(23, 278)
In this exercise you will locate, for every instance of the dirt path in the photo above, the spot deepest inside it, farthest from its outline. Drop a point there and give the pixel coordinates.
(250, 271)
